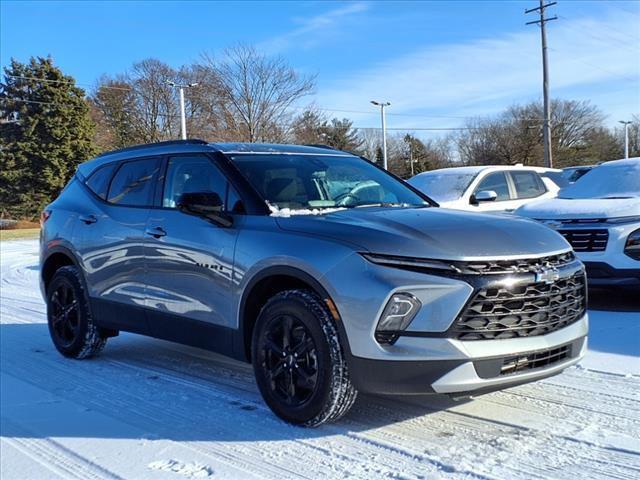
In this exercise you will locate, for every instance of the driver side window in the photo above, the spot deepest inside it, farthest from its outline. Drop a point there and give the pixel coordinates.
(497, 182)
(193, 174)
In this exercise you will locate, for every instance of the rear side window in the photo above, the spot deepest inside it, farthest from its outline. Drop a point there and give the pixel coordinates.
(528, 184)
(98, 181)
(133, 183)
(496, 182)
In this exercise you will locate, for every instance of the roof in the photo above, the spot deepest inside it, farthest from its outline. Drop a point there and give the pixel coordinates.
(272, 148)
(194, 145)
(474, 170)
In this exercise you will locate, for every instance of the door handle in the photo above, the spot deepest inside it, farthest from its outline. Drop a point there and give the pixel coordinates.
(155, 232)
(88, 219)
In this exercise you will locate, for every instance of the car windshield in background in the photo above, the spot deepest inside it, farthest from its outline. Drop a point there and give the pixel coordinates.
(556, 177)
(442, 186)
(614, 180)
(320, 181)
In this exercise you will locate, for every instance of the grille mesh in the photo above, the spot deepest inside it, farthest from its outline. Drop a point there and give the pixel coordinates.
(515, 266)
(522, 311)
(587, 240)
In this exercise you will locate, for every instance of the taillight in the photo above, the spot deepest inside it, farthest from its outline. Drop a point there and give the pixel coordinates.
(44, 216)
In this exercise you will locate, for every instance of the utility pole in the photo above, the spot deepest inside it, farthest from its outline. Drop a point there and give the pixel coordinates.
(626, 137)
(183, 120)
(384, 131)
(546, 127)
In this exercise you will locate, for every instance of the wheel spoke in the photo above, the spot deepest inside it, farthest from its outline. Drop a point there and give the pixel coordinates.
(308, 379)
(305, 345)
(276, 371)
(286, 332)
(274, 347)
(291, 386)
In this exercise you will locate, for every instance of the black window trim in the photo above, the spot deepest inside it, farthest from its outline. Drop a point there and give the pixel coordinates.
(159, 196)
(118, 164)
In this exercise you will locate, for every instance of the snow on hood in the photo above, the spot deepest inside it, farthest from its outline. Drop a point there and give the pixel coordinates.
(431, 232)
(564, 208)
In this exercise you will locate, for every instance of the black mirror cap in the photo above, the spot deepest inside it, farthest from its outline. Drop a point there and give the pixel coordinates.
(205, 204)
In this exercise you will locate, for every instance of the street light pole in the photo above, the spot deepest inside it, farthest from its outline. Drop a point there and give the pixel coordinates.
(384, 130)
(626, 136)
(183, 119)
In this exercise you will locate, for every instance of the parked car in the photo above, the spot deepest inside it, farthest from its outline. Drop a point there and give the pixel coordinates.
(327, 273)
(487, 188)
(573, 174)
(599, 215)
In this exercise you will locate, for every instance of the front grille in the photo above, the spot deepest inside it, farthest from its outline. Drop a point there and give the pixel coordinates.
(523, 310)
(497, 367)
(534, 360)
(587, 240)
(526, 265)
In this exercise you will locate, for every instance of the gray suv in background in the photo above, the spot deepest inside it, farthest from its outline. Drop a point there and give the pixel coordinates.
(330, 275)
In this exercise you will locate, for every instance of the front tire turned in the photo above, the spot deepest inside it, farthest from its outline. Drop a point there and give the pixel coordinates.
(69, 316)
(298, 361)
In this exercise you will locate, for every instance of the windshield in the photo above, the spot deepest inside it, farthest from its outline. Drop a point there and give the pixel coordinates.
(442, 186)
(613, 180)
(301, 182)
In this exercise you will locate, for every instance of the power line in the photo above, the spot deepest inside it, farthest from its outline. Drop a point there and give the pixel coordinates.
(165, 115)
(339, 110)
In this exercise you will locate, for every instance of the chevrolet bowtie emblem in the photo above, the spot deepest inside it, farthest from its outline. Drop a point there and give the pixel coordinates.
(547, 275)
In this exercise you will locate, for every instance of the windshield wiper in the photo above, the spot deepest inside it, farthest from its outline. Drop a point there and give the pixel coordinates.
(387, 204)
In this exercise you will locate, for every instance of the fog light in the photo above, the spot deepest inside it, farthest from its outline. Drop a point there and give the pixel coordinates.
(396, 316)
(632, 247)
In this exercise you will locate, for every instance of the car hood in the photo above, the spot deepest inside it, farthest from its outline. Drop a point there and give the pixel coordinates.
(431, 233)
(592, 208)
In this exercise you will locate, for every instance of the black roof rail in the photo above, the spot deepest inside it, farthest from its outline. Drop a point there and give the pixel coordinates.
(320, 145)
(191, 141)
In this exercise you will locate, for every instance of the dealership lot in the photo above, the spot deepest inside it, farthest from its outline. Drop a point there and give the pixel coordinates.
(151, 409)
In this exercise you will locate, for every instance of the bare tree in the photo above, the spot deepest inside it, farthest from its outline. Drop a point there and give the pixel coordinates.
(257, 92)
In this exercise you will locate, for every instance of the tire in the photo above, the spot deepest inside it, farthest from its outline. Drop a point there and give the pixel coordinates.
(69, 316)
(303, 377)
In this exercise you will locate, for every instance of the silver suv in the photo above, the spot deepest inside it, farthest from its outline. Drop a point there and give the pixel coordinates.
(327, 273)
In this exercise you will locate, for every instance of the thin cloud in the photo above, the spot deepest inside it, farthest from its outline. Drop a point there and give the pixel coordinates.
(313, 29)
(485, 75)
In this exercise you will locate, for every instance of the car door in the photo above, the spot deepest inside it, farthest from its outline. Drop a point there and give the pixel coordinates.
(189, 258)
(497, 182)
(110, 240)
(527, 185)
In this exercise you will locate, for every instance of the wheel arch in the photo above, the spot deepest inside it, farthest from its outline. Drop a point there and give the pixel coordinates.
(57, 257)
(263, 286)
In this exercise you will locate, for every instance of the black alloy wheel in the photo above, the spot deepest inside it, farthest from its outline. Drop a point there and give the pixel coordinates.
(65, 320)
(289, 356)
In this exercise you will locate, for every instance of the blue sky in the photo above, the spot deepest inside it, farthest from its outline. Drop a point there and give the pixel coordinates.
(436, 62)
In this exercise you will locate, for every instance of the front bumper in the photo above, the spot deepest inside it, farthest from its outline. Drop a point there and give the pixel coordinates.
(603, 274)
(466, 372)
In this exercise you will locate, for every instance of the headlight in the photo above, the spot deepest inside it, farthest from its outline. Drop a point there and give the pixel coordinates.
(396, 316)
(632, 247)
(409, 262)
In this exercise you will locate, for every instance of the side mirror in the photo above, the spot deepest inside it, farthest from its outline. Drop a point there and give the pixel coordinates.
(484, 196)
(204, 204)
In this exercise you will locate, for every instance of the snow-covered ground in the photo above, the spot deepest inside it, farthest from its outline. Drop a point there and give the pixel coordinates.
(152, 409)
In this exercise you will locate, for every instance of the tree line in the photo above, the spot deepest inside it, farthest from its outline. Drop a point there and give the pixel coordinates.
(48, 124)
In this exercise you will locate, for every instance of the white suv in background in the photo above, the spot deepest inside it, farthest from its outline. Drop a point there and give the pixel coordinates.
(599, 215)
(488, 188)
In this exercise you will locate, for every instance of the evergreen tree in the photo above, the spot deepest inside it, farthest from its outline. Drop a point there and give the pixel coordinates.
(341, 135)
(46, 131)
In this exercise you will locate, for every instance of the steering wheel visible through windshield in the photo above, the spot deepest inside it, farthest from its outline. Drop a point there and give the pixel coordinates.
(304, 181)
